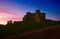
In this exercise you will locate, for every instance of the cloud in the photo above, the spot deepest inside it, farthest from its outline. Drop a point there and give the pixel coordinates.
(6, 15)
(7, 11)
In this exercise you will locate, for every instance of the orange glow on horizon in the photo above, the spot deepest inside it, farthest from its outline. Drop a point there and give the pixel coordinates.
(5, 20)
(6, 15)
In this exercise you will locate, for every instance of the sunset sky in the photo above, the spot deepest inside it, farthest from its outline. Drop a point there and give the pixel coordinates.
(16, 9)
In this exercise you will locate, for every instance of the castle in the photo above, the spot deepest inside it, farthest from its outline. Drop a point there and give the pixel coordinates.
(31, 18)
(34, 17)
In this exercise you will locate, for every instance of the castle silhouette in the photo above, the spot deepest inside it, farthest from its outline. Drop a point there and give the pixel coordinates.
(34, 17)
(38, 16)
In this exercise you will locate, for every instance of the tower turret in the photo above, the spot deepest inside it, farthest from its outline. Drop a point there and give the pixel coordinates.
(37, 16)
(37, 12)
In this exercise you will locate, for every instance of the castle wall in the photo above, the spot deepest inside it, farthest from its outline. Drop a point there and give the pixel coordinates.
(42, 16)
(34, 17)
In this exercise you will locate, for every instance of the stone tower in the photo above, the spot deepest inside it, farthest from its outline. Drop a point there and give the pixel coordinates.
(34, 17)
(37, 16)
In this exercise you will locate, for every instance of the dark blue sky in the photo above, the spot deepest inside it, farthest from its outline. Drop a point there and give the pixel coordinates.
(50, 7)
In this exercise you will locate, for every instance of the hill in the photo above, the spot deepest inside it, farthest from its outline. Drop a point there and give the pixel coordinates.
(52, 32)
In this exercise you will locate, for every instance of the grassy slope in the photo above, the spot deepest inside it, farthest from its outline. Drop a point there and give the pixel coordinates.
(52, 32)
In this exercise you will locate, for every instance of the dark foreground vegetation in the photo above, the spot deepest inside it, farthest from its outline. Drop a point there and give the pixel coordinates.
(52, 32)
(17, 28)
